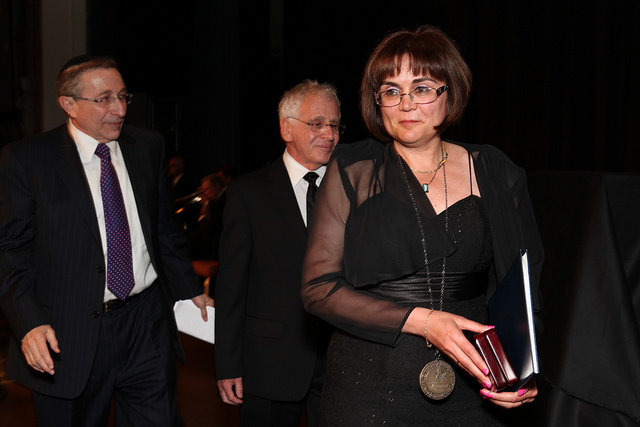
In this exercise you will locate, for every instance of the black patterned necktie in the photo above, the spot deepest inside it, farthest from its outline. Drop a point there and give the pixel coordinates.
(120, 279)
(311, 178)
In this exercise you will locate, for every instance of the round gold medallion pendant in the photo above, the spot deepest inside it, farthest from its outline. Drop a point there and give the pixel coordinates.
(437, 379)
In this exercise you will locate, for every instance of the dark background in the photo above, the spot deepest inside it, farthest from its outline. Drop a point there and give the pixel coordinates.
(555, 83)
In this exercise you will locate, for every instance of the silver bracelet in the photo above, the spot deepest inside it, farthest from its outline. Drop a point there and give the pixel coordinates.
(429, 345)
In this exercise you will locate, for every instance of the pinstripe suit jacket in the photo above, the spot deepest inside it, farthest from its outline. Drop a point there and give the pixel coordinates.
(52, 268)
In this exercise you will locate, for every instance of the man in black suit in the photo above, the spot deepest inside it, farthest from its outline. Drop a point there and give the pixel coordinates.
(89, 262)
(268, 351)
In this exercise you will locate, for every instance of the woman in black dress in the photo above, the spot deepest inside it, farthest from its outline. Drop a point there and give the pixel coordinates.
(409, 239)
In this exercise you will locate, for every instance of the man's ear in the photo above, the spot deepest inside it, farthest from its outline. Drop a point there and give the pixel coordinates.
(285, 130)
(68, 104)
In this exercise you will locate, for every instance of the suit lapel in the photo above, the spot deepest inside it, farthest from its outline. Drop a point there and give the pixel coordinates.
(138, 176)
(69, 166)
(279, 185)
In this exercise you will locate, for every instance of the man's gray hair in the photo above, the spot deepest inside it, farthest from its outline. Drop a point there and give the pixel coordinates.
(292, 99)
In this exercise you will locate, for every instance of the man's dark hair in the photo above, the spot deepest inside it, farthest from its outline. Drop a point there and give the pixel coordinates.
(67, 82)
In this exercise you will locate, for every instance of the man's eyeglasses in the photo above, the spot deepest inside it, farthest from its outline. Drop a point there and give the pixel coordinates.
(106, 101)
(419, 95)
(317, 125)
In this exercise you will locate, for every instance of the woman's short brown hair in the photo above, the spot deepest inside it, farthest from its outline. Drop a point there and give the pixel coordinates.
(430, 52)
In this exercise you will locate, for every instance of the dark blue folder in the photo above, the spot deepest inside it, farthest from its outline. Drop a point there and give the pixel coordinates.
(511, 312)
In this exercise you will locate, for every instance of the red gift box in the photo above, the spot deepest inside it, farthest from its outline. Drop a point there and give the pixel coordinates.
(496, 359)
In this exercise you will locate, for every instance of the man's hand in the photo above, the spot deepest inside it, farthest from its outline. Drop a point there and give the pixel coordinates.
(231, 391)
(35, 347)
(202, 301)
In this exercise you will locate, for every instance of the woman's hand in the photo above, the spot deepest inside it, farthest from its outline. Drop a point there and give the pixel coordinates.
(512, 399)
(444, 331)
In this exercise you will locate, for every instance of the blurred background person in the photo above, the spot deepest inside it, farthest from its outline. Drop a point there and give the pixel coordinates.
(185, 193)
(203, 239)
(180, 182)
(226, 174)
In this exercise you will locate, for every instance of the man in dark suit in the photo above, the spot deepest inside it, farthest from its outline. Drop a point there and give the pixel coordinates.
(89, 262)
(268, 350)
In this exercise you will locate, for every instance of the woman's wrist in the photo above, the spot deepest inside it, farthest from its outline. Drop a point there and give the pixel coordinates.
(426, 328)
(415, 321)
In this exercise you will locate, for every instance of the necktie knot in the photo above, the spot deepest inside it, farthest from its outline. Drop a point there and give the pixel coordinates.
(102, 151)
(311, 178)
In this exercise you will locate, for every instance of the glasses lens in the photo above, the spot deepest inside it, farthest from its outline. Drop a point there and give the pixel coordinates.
(388, 98)
(315, 126)
(424, 95)
(419, 95)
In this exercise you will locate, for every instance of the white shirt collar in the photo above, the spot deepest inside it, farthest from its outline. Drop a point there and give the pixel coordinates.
(86, 144)
(296, 171)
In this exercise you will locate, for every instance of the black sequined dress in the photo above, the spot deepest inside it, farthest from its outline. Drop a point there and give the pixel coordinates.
(364, 273)
(382, 388)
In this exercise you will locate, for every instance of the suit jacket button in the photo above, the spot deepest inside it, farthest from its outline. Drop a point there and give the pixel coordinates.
(95, 314)
(100, 270)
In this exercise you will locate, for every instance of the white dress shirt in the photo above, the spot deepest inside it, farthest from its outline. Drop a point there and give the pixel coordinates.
(143, 272)
(296, 174)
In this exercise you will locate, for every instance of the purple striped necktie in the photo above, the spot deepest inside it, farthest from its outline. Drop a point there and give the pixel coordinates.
(119, 259)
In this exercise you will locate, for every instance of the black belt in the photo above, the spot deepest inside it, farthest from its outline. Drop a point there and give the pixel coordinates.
(413, 290)
(116, 304)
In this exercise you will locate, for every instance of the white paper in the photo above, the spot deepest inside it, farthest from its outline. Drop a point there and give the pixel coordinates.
(189, 320)
(529, 305)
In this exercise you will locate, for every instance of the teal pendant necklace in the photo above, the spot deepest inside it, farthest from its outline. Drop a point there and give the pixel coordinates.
(425, 186)
(445, 156)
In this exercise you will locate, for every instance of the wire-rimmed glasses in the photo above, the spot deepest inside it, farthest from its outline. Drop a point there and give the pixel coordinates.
(105, 101)
(316, 126)
(421, 94)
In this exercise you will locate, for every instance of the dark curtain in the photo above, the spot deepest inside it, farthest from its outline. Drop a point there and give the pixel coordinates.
(590, 284)
(555, 82)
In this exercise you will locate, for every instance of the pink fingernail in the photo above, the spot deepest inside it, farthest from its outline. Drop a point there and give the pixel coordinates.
(487, 384)
(486, 393)
(485, 371)
(522, 391)
(491, 326)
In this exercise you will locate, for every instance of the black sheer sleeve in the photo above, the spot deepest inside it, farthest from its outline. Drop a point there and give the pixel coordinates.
(326, 291)
(365, 233)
